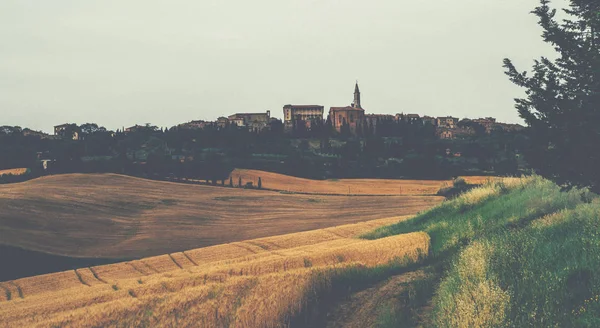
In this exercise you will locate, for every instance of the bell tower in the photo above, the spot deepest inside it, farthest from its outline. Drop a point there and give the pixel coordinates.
(356, 103)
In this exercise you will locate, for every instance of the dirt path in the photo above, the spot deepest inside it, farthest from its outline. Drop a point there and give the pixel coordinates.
(362, 309)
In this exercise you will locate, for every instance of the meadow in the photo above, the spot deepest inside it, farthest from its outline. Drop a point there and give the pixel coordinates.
(515, 253)
(263, 282)
(115, 216)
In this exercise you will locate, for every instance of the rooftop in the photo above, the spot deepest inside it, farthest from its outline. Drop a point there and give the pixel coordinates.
(303, 106)
(346, 108)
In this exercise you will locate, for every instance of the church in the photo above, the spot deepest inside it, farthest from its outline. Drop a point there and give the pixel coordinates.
(352, 115)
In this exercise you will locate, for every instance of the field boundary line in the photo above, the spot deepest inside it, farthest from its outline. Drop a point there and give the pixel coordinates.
(19, 290)
(284, 191)
(173, 259)
(238, 244)
(336, 233)
(189, 258)
(149, 266)
(263, 247)
(138, 270)
(96, 275)
(80, 278)
(253, 243)
(268, 243)
(6, 292)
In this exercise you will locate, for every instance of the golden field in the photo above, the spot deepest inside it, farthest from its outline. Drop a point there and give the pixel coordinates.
(275, 181)
(14, 171)
(254, 283)
(115, 216)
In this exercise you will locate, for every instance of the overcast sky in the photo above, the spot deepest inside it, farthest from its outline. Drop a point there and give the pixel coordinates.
(122, 62)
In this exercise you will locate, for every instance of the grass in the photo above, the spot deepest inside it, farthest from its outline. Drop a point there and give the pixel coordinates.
(484, 211)
(407, 310)
(516, 254)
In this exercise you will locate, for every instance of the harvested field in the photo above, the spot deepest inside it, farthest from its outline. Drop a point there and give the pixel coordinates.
(275, 181)
(19, 171)
(254, 287)
(114, 216)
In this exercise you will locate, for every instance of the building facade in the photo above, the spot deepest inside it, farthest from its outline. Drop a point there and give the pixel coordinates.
(64, 129)
(447, 122)
(353, 115)
(301, 113)
(196, 125)
(488, 123)
(253, 121)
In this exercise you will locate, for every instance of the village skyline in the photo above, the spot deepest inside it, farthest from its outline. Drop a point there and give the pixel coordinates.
(122, 63)
(307, 113)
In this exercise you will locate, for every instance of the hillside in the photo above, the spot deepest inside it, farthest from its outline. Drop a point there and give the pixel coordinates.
(516, 253)
(282, 182)
(512, 253)
(114, 216)
(256, 283)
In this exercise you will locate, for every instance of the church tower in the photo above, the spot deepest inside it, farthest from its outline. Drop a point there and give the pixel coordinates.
(356, 103)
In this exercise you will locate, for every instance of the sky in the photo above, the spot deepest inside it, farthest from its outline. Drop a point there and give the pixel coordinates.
(124, 62)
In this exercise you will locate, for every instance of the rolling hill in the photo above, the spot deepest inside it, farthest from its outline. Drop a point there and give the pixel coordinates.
(114, 216)
(275, 181)
(255, 283)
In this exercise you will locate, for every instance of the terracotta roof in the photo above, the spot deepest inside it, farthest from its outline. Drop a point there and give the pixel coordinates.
(265, 114)
(302, 106)
(346, 108)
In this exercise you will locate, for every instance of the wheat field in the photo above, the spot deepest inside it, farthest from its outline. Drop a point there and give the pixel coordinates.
(18, 171)
(254, 283)
(116, 216)
(282, 182)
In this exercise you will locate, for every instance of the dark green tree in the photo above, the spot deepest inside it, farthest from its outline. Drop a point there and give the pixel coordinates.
(231, 182)
(259, 183)
(562, 104)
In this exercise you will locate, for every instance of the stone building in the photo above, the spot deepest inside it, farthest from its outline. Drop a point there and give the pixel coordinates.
(253, 121)
(60, 130)
(412, 118)
(488, 123)
(453, 133)
(447, 122)
(222, 122)
(429, 120)
(352, 115)
(196, 124)
(134, 128)
(303, 113)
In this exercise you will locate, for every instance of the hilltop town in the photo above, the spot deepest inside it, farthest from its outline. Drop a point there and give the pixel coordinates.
(348, 142)
(354, 119)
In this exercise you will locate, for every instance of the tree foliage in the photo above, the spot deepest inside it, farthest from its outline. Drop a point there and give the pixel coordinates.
(562, 100)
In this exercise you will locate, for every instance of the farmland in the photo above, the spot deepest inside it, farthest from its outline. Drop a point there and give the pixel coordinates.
(114, 216)
(263, 282)
(19, 171)
(275, 181)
